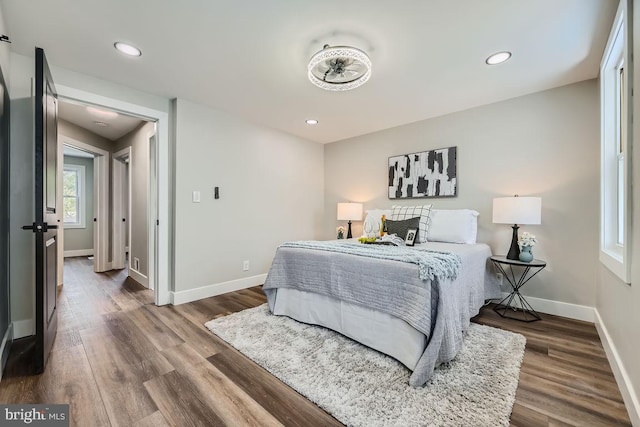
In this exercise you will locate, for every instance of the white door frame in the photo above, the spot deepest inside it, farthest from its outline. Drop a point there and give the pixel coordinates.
(152, 206)
(118, 257)
(163, 213)
(100, 203)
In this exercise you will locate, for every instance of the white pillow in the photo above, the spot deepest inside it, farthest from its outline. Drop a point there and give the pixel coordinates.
(371, 225)
(407, 212)
(453, 226)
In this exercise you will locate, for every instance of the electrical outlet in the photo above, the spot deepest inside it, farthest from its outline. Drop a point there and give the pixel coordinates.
(245, 266)
(499, 277)
(136, 263)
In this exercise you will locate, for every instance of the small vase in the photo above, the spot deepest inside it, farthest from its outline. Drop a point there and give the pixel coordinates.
(525, 254)
(340, 235)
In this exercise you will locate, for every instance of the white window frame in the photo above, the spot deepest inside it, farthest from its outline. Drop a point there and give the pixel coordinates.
(615, 110)
(80, 173)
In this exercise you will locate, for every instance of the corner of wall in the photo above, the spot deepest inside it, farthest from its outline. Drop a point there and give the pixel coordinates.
(619, 371)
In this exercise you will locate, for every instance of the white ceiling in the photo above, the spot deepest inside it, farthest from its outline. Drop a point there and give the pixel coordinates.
(249, 58)
(117, 124)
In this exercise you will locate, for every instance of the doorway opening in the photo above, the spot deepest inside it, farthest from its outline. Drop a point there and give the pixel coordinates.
(107, 205)
(146, 109)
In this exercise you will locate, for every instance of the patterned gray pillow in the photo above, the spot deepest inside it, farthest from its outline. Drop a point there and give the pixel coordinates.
(400, 227)
(406, 212)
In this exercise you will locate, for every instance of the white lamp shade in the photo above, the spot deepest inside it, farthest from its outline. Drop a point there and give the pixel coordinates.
(349, 211)
(517, 210)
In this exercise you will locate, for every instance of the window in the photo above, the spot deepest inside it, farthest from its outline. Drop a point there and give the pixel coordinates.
(614, 172)
(73, 196)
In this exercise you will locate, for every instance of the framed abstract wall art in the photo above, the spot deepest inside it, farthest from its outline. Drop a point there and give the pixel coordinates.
(425, 174)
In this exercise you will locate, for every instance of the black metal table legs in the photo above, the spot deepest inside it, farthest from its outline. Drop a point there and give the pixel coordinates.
(514, 306)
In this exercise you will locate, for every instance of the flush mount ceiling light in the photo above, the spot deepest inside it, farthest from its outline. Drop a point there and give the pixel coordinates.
(127, 49)
(498, 58)
(339, 68)
(311, 122)
(102, 113)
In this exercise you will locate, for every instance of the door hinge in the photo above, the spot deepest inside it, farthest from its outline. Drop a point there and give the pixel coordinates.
(157, 222)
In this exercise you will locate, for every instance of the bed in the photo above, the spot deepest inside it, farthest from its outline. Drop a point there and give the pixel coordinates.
(396, 307)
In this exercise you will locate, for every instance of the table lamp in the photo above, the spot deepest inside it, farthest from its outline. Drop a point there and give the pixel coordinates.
(349, 212)
(516, 210)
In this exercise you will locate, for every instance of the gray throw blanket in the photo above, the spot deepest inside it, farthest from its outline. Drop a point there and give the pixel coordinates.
(433, 264)
(375, 279)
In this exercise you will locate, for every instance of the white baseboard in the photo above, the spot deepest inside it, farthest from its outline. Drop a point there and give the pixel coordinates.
(78, 252)
(558, 308)
(8, 336)
(139, 277)
(182, 297)
(619, 372)
(24, 328)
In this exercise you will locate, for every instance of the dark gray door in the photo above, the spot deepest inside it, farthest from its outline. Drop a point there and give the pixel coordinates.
(5, 313)
(46, 223)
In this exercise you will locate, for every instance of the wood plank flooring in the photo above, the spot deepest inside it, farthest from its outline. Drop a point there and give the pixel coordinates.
(121, 361)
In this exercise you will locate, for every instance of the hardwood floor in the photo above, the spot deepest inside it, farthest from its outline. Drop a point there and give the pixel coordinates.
(565, 377)
(119, 360)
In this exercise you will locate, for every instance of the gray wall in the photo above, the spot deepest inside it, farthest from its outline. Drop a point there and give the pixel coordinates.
(5, 107)
(138, 169)
(271, 191)
(82, 238)
(618, 303)
(73, 131)
(545, 144)
(21, 245)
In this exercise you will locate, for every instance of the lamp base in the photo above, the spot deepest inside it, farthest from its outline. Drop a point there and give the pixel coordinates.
(514, 250)
(349, 236)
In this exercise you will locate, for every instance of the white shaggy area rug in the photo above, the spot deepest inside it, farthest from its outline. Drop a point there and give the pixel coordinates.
(362, 387)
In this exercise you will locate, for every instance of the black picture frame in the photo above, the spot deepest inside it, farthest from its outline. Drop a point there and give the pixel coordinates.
(425, 174)
(410, 239)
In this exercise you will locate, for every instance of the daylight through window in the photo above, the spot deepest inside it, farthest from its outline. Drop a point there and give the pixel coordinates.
(614, 88)
(73, 196)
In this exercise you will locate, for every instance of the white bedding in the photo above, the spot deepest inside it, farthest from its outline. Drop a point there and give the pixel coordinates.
(375, 329)
(384, 332)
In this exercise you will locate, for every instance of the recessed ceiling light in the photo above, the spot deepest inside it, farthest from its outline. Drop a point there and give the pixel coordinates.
(127, 49)
(102, 113)
(498, 58)
(101, 124)
(311, 122)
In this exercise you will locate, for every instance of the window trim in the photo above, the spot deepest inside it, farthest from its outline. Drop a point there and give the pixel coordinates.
(615, 256)
(80, 173)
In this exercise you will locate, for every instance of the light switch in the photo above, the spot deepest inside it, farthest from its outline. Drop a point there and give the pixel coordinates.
(196, 197)
(216, 193)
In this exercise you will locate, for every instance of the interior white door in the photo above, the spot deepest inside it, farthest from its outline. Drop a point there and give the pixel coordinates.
(120, 206)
